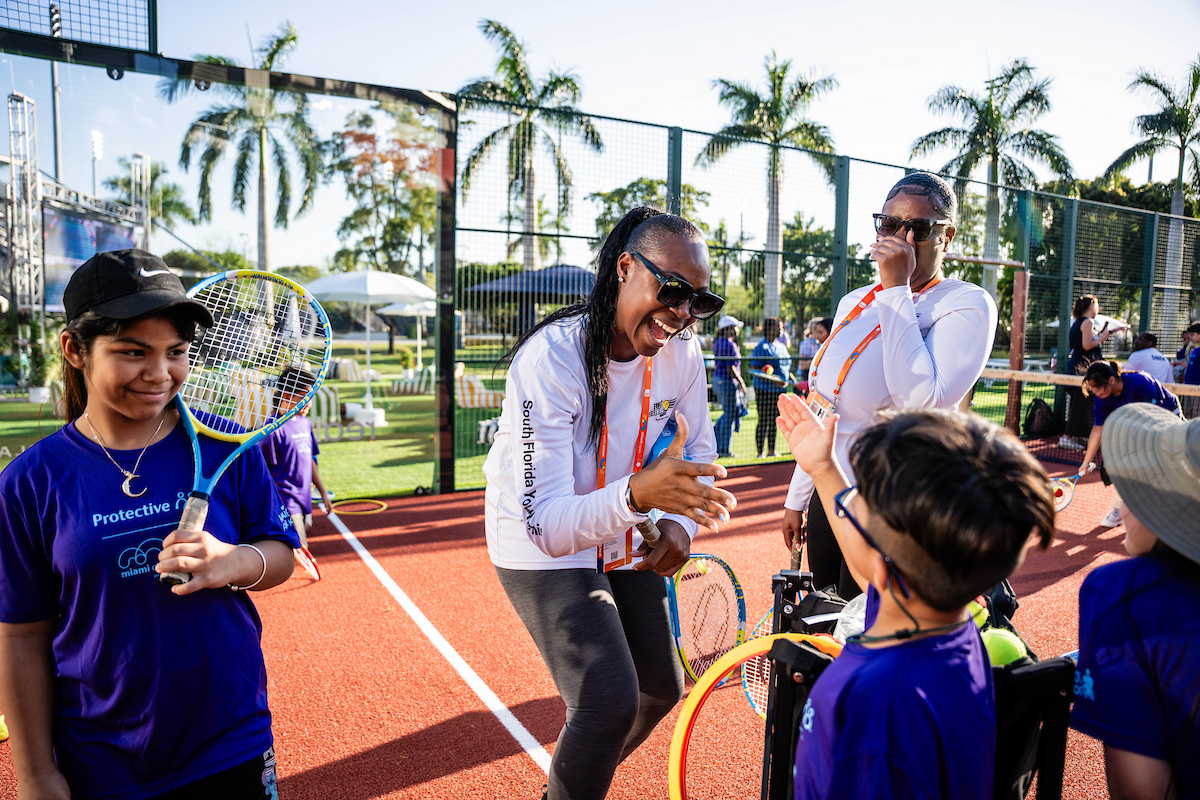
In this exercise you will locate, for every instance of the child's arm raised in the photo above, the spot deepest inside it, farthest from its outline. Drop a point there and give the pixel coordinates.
(811, 443)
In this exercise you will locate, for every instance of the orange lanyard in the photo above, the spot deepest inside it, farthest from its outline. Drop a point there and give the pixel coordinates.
(868, 298)
(640, 448)
(639, 452)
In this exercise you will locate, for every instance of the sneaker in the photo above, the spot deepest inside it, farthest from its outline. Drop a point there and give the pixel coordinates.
(1112, 519)
(772, 454)
(1070, 443)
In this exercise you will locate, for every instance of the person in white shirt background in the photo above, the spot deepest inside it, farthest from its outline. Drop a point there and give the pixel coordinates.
(915, 340)
(588, 392)
(1147, 358)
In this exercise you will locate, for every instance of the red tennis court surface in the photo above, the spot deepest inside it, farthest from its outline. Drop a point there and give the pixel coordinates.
(366, 707)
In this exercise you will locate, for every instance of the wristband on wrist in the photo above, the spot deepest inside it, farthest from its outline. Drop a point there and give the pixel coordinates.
(629, 501)
(236, 588)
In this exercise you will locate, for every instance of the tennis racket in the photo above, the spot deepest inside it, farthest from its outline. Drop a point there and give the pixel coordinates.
(708, 612)
(1064, 489)
(770, 376)
(263, 324)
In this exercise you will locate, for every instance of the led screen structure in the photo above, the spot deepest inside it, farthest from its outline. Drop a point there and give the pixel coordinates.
(71, 238)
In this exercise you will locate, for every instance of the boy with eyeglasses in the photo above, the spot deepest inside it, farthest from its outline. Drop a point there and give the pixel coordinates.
(945, 507)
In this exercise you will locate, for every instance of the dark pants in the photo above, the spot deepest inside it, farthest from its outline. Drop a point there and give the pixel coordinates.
(606, 640)
(825, 556)
(250, 780)
(726, 392)
(1079, 413)
(766, 401)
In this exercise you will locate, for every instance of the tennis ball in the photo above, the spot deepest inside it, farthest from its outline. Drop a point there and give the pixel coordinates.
(768, 369)
(1003, 646)
(978, 612)
(3, 729)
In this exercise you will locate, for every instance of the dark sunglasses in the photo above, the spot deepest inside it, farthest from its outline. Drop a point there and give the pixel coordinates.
(839, 502)
(675, 291)
(921, 228)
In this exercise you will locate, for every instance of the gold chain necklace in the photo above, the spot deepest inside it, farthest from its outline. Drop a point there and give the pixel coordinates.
(129, 474)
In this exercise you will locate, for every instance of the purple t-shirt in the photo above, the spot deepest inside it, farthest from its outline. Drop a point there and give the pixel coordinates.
(1139, 643)
(1137, 387)
(724, 348)
(913, 720)
(289, 452)
(152, 691)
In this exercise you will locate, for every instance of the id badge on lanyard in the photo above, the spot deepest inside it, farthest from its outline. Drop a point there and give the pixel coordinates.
(821, 405)
(618, 552)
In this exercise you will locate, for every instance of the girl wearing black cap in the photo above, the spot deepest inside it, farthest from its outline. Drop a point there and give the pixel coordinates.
(114, 684)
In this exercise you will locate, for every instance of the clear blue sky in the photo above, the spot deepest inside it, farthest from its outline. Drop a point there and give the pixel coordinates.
(656, 62)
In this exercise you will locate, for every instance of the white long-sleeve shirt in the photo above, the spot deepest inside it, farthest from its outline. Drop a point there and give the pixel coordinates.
(543, 510)
(930, 351)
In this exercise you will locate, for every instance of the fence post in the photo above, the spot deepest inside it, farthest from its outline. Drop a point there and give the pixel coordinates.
(1150, 258)
(1066, 302)
(1020, 308)
(675, 171)
(841, 223)
(444, 340)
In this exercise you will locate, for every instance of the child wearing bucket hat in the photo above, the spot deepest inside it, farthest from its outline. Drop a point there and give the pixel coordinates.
(1137, 687)
(114, 685)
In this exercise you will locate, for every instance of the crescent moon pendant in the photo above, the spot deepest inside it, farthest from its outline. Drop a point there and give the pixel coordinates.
(125, 487)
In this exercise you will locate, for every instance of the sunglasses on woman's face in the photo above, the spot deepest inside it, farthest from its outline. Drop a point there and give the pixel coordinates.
(675, 291)
(921, 228)
(840, 500)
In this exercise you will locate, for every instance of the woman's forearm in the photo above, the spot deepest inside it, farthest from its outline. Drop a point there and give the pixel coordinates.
(27, 696)
(1093, 446)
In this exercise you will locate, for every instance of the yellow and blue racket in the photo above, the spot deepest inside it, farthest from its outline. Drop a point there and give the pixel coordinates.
(269, 338)
(708, 612)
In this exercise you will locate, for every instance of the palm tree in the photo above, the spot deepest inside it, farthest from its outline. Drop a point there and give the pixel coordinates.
(166, 199)
(775, 118)
(261, 123)
(532, 104)
(994, 130)
(1175, 125)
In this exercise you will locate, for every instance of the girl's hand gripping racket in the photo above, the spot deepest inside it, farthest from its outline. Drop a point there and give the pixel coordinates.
(269, 338)
(1064, 488)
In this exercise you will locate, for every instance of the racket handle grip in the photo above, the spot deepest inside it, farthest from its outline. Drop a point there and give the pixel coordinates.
(795, 563)
(194, 514)
(649, 532)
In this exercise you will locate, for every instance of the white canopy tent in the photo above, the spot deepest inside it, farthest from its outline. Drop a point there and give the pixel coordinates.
(370, 287)
(426, 308)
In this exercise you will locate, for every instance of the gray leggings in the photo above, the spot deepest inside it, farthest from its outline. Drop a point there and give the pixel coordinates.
(606, 640)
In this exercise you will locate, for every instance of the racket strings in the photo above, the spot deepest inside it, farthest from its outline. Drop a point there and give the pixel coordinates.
(260, 329)
(756, 672)
(708, 603)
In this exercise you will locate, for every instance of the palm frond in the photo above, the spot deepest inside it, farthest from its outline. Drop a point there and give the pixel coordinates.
(479, 154)
(1015, 173)
(559, 90)
(310, 151)
(726, 139)
(284, 179)
(242, 166)
(562, 171)
(275, 50)
(513, 63)
(1143, 149)
(952, 99)
(569, 119)
(1044, 147)
(935, 140)
(171, 89)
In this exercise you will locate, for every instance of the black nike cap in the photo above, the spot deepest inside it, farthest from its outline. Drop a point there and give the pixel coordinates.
(124, 284)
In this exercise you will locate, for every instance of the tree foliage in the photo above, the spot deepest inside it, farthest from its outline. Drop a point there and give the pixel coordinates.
(167, 204)
(644, 192)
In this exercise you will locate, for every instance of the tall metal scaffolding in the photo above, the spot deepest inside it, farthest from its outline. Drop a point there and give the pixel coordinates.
(26, 266)
(139, 193)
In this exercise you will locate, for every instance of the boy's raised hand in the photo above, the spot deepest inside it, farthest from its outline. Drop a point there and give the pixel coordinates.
(810, 439)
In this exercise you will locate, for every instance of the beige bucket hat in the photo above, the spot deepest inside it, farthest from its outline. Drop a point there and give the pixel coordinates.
(1153, 458)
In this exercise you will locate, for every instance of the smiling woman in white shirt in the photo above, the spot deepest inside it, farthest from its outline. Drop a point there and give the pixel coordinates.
(588, 392)
(917, 339)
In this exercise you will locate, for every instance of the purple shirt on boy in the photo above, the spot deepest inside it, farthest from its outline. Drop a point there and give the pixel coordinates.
(289, 453)
(913, 720)
(152, 691)
(1137, 687)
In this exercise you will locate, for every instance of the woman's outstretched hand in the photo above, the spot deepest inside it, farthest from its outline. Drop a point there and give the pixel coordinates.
(671, 484)
(810, 439)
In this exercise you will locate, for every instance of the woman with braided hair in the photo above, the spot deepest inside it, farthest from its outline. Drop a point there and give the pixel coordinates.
(586, 389)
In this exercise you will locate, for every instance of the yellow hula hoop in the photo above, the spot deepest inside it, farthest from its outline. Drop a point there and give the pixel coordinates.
(677, 765)
(382, 506)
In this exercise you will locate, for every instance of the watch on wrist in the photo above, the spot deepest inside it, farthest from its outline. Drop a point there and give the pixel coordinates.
(629, 500)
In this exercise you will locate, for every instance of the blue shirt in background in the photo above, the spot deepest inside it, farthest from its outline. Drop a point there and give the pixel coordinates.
(289, 452)
(1137, 387)
(776, 355)
(1191, 373)
(726, 349)
(152, 691)
(1137, 682)
(913, 720)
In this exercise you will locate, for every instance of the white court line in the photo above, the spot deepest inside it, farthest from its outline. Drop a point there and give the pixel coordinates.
(524, 738)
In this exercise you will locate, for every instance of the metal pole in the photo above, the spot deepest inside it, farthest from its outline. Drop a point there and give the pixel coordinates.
(56, 32)
(443, 326)
(841, 224)
(675, 171)
(1150, 260)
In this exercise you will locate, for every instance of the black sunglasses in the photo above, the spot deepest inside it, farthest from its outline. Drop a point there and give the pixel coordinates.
(844, 513)
(675, 291)
(921, 228)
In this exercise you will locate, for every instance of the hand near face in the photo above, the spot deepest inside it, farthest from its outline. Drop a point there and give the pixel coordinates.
(897, 258)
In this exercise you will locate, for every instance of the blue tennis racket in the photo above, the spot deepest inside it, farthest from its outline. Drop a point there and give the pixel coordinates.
(270, 339)
(708, 612)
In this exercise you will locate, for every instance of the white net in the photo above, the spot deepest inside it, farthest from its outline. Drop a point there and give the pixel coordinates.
(265, 352)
